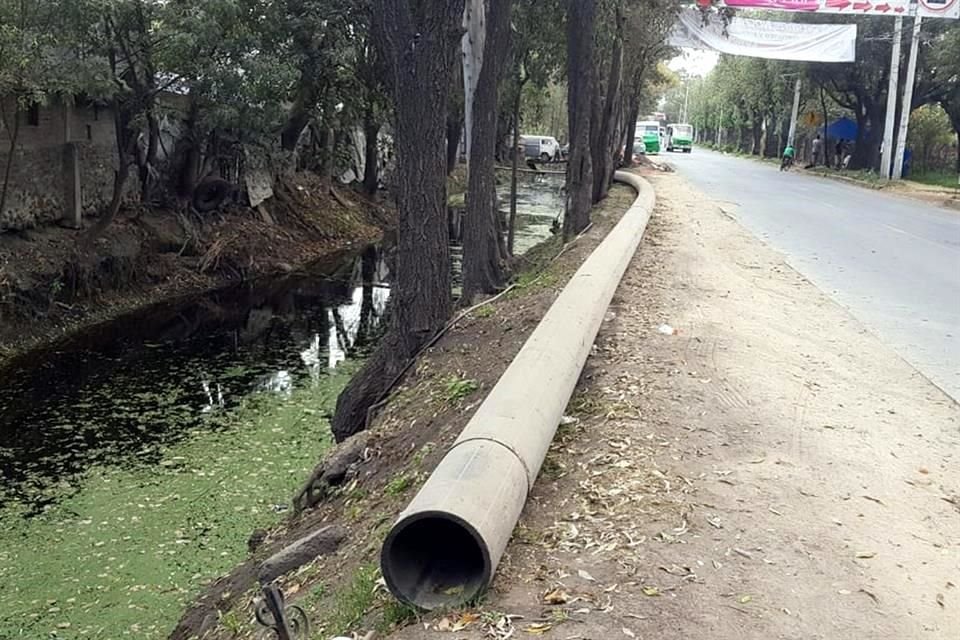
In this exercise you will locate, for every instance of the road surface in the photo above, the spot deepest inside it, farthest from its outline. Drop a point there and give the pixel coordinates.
(892, 261)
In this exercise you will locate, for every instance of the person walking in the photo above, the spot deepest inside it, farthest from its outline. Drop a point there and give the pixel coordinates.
(839, 153)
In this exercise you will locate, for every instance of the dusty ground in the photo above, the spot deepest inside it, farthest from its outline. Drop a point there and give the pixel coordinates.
(771, 470)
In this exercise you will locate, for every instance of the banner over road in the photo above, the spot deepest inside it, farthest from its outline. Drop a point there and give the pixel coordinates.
(765, 39)
(925, 8)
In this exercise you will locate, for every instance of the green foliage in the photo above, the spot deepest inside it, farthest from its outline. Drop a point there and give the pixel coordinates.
(931, 139)
(396, 614)
(355, 601)
(399, 485)
(457, 388)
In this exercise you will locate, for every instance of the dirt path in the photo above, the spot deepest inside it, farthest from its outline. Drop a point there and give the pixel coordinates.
(769, 471)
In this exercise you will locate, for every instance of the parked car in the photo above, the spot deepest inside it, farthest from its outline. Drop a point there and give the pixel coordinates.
(648, 132)
(680, 137)
(545, 148)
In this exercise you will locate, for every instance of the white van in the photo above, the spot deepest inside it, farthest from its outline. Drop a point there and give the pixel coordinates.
(546, 148)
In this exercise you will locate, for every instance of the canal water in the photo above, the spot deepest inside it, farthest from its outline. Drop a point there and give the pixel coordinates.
(137, 457)
(539, 207)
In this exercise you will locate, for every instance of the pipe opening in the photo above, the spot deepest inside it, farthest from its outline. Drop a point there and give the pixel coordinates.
(433, 560)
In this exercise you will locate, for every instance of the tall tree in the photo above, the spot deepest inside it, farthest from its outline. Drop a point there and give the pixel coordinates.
(419, 41)
(581, 16)
(644, 46)
(606, 137)
(484, 251)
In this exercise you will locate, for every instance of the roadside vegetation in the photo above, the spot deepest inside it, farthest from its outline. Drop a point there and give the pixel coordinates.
(745, 103)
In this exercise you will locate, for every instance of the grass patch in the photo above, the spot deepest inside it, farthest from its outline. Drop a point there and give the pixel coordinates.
(485, 311)
(456, 388)
(399, 485)
(422, 453)
(395, 614)
(936, 179)
(355, 601)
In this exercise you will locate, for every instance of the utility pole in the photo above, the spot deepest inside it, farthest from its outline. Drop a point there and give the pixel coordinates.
(720, 125)
(887, 153)
(907, 104)
(686, 100)
(795, 113)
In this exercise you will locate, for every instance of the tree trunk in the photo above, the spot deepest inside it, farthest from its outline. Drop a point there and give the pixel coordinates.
(371, 155)
(454, 131)
(958, 152)
(14, 133)
(596, 144)
(580, 82)
(607, 136)
(150, 156)
(631, 132)
(756, 126)
(483, 270)
(514, 162)
(420, 42)
(126, 148)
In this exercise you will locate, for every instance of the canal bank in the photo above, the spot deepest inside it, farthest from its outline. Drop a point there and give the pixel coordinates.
(340, 591)
(138, 456)
(56, 281)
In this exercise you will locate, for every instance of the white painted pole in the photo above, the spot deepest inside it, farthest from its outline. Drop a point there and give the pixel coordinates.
(686, 100)
(719, 125)
(887, 154)
(907, 104)
(795, 114)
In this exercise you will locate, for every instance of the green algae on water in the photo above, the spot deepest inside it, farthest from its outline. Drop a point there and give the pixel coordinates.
(125, 549)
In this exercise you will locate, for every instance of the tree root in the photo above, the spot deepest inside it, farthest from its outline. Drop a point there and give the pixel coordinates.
(335, 469)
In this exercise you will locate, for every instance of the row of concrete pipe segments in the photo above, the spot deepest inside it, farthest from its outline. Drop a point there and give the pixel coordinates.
(445, 546)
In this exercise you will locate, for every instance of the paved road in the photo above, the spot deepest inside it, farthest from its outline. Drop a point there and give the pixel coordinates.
(892, 261)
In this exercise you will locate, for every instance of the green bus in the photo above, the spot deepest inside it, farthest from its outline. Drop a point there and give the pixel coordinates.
(648, 131)
(680, 136)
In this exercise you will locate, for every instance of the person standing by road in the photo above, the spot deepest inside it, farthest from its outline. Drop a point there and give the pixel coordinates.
(815, 148)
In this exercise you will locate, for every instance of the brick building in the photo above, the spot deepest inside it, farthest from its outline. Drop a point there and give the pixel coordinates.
(63, 165)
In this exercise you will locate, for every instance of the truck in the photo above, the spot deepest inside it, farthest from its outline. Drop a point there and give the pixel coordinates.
(680, 137)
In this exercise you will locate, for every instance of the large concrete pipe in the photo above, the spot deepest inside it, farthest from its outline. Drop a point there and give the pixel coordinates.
(445, 547)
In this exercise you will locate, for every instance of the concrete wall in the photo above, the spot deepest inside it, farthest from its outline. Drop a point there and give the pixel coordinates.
(42, 175)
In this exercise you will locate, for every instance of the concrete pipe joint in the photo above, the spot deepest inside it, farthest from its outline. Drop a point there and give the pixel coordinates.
(446, 545)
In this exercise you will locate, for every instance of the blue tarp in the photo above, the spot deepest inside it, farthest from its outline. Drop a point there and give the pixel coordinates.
(843, 129)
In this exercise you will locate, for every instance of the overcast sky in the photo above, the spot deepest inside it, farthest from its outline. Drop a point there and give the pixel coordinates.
(695, 62)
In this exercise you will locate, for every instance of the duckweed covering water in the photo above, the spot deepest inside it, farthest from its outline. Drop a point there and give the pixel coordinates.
(122, 556)
(135, 463)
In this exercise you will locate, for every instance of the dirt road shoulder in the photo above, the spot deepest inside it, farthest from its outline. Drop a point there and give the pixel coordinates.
(748, 461)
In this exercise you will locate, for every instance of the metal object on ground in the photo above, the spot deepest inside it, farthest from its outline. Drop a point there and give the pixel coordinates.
(286, 622)
(445, 547)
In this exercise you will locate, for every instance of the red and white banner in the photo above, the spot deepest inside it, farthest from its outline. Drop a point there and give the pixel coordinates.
(862, 7)
(925, 8)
